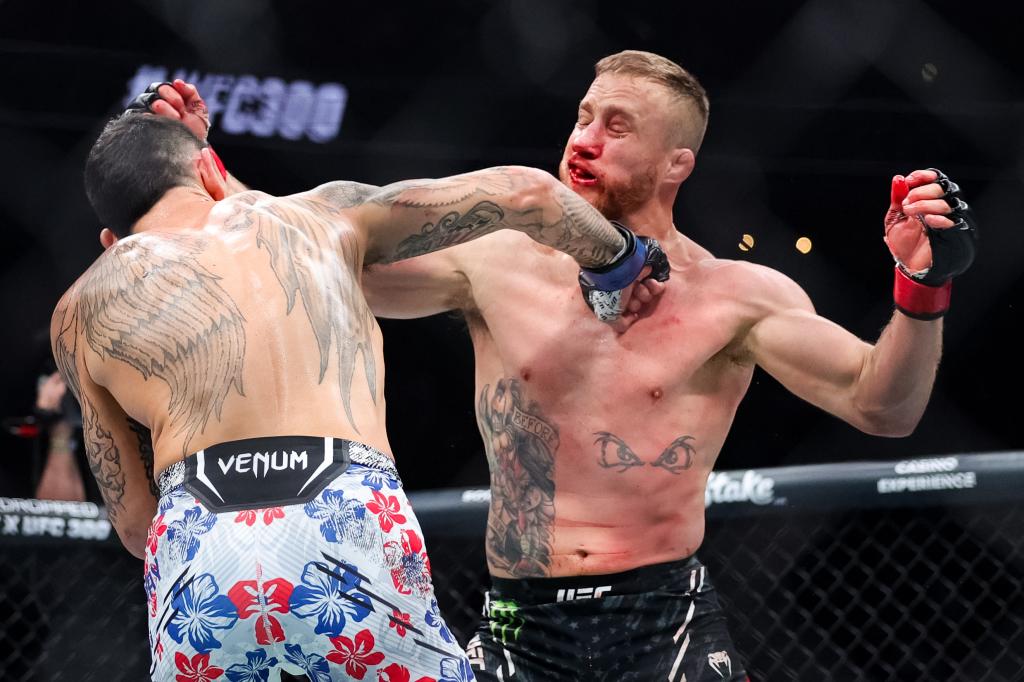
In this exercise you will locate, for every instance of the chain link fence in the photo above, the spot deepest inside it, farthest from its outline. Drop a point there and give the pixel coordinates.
(899, 571)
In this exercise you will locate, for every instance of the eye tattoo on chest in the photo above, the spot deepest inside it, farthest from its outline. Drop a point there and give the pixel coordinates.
(616, 454)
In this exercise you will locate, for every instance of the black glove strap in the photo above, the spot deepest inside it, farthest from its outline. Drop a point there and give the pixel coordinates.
(145, 99)
(953, 248)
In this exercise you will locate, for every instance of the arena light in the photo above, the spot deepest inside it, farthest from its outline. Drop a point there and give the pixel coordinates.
(746, 242)
(803, 245)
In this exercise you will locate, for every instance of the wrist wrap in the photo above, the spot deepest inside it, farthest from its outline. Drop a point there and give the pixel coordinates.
(623, 270)
(920, 301)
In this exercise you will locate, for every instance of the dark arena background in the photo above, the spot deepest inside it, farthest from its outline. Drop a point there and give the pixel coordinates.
(839, 555)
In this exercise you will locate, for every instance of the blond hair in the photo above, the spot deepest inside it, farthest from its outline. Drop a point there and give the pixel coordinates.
(692, 115)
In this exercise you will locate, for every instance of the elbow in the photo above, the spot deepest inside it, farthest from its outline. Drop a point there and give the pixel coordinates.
(534, 189)
(134, 540)
(898, 430)
(889, 424)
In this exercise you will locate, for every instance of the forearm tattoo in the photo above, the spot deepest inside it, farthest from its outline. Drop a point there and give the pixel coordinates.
(103, 456)
(617, 455)
(559, 219)
(104, 460)
(317, 264)
(145, 438)
(521, 446)
(453, 228)
(152, 305)
(584, 233)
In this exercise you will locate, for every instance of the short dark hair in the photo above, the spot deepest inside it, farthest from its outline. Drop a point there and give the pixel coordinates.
(134, 162)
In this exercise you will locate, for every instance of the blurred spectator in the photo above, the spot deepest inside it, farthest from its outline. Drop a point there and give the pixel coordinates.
(57, 412)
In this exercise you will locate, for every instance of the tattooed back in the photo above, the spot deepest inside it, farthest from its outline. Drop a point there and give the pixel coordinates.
(249, 324)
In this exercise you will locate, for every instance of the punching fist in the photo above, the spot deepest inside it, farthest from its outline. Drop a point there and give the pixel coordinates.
(603, 287)
(932, 235)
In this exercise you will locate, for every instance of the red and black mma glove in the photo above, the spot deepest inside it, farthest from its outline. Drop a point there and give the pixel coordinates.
(143, 103)
(925, 294)
(602, 287)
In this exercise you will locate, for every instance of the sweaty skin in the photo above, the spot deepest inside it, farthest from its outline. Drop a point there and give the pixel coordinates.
(600, 444)
(245, 317)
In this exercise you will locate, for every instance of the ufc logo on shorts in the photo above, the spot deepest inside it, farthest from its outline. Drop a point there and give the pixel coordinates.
(583, 593)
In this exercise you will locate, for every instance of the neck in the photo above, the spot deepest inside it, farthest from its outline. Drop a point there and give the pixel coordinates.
(654, 219)
(180, 208)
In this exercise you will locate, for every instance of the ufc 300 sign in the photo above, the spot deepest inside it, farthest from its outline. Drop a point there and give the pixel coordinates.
(266, 107)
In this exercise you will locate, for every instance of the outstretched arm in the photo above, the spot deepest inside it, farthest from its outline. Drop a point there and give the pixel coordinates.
(120, 457)
(415, 217)
(883, 388)
(420, 216)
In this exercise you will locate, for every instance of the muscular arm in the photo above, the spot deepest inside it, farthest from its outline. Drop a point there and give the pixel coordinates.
(881, 389)
(123, 470)
(416, 217)
(421, 286)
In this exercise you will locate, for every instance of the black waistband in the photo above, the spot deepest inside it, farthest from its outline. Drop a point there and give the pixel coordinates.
(685, 574)
(269, 471)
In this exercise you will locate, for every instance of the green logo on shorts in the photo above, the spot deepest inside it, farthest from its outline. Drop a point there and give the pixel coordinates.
(505, 621)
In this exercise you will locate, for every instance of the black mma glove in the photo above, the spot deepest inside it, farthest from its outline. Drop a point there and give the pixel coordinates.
(143, 104)
(144, 100)
(602, 287)
(925, 295)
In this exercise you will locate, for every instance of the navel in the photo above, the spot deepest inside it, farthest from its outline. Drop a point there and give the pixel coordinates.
(525, 374)
(656, 393)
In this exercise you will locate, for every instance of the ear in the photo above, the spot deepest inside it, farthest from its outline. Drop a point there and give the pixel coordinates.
(210, 175)
(681, 161)
(107, 238)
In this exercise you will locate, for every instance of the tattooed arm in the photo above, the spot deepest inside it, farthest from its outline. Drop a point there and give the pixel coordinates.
(118, 458)
(415, 217)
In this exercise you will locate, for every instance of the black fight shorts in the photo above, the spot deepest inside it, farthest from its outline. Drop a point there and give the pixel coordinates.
(660, 622)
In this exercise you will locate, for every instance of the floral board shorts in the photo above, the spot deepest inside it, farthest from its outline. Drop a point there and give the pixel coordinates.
(292, 557)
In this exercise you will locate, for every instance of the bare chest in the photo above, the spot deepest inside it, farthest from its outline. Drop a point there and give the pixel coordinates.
(534, 326)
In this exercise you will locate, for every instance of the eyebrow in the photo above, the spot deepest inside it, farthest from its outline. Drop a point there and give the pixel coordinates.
(611, 111)
(614, 111)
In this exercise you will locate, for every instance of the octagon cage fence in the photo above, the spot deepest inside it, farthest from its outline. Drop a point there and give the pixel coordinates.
(910, 570)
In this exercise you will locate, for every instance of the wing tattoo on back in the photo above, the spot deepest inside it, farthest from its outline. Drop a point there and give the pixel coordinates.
(152, 305)
(318, 265)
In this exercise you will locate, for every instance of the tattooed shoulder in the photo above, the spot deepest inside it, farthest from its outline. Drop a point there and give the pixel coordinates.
(343, 193)
(125, 296)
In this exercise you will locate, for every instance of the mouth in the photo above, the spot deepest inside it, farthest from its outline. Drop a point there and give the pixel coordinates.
(581, 176)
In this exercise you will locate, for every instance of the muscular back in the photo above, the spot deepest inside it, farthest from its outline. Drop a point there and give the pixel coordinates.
(253, 324)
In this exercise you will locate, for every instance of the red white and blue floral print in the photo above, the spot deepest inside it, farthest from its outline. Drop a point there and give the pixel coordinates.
(337, 588)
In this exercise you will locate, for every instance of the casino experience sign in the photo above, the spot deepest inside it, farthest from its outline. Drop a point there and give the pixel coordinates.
(264, 107)
(929, 474)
